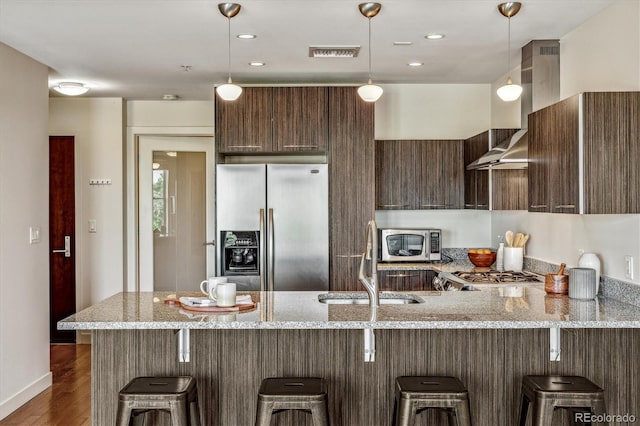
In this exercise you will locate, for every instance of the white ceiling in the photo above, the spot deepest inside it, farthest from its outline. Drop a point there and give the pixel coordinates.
(135, 48)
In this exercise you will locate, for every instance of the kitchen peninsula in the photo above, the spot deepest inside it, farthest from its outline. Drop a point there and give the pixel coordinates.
(485, 338)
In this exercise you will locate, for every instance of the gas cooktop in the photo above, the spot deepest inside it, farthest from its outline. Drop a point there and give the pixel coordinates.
(460, 280)
(498, 277)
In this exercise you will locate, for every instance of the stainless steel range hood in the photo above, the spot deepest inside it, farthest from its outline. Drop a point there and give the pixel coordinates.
(540, 79)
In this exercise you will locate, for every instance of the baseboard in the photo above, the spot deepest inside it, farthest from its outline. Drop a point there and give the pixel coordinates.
(11, 404)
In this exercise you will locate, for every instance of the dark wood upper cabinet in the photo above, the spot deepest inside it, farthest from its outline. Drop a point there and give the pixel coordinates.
(273, 120)
(351, 184)
(440, 174)
(419, 174)
(244, 125)
(610, 123)
(395, 175)
(509, 186)
(476, 182)
(300, 118)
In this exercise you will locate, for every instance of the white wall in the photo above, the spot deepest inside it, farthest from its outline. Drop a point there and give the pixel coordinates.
(24, 202)
(97, 125)
(432, 111)
(602, 54)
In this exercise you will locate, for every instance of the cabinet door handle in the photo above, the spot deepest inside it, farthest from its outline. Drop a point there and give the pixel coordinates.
(566, 206)
(483, 205)
(402, 275)
(469, 205)
(393, 205)
(300, 146)
(348, 255)
(538, 206)
(434, 205)
(244, 146)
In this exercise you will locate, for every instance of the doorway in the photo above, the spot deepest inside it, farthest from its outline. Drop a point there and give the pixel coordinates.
(175, 212)
(62, 263)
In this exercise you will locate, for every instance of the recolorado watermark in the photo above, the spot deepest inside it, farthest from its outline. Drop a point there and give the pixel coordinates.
(604, 418)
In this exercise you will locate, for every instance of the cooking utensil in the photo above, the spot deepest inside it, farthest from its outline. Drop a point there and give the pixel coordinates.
(508, 237)
(524, 240)
(557, 283)
(518, 239)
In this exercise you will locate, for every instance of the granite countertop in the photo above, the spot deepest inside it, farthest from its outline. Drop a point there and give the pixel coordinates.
(495, 307)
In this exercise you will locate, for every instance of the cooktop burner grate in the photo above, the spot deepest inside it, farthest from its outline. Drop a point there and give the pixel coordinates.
(497, 277)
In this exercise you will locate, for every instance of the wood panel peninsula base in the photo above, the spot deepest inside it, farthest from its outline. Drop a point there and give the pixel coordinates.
(487, 343)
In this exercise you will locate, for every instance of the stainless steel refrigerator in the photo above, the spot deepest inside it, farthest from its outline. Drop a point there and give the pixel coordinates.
(272, 224)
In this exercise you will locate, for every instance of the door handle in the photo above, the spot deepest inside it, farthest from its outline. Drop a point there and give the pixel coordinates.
(67, 247)
(270, 281)
(210, 243)
(263, 262)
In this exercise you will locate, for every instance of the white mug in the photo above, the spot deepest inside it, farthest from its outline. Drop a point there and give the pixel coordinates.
(224, 294)
(513, 258)
(207, 285)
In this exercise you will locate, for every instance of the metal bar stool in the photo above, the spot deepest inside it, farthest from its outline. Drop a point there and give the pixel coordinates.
(292, 393)
(176, 395)
(415, 394)
(546, 393)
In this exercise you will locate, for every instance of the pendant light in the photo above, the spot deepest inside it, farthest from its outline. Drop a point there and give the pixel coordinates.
(510, 91)
(369, 92)
(229, 91)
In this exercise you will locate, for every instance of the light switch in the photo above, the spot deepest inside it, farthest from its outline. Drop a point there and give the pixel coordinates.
(92, 226)
(34, 234)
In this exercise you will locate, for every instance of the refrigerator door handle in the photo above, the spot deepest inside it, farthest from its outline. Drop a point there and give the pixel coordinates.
(270, 282)
(263, 261)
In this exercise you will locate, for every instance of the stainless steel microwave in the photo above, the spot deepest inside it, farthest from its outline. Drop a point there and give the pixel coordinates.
(409, 245)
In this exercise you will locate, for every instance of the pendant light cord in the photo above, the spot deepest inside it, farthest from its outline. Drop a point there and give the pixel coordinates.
(509, 46)
(229, 49)
(369, 50)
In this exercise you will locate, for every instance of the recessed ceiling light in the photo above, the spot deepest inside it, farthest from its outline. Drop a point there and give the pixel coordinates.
(246, 36)
(434, 36)
(170, 97)
(71, 88)
(172, 154)
(257, 64)
(402, 43)
(415, 64)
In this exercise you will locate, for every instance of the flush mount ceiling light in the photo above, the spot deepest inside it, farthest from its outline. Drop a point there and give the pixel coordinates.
(229, 91)
(510, 91)
(369, 92)
(71, 89)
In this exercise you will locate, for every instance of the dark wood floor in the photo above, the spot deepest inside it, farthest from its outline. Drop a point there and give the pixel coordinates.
(68, 401)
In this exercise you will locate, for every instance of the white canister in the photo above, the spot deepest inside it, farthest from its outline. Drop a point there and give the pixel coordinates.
(513, 258)
(591, 260)
(500, 258)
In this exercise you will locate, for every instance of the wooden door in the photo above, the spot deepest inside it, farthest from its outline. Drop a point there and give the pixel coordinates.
(62, 270)
(300, 119)
(351, 184)
(244, 125)
(395, 175)
(440, 174)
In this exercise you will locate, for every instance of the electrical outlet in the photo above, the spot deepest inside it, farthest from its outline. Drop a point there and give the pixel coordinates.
(628, 267)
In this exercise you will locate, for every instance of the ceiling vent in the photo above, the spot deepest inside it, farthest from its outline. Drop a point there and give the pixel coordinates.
(333, 51)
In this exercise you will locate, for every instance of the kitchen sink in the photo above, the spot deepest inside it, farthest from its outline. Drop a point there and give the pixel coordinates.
(363, 299)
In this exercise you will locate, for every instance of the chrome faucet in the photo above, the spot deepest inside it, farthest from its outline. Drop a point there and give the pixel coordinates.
(370, 283)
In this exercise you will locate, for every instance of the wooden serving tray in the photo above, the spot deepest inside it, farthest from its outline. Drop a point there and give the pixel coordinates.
(235, 308)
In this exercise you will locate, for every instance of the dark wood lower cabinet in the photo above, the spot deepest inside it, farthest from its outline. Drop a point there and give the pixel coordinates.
(230, 364)
(406, 280)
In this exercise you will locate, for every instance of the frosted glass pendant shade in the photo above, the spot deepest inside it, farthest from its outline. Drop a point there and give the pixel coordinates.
(370, 92)
(229, 91)
(509, 92)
